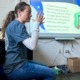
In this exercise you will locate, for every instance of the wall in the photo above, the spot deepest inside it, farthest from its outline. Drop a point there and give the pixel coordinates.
(5, 7)
(52, 52)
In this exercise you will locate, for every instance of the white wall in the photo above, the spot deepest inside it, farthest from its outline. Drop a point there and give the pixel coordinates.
(5, 7)
(52, 52)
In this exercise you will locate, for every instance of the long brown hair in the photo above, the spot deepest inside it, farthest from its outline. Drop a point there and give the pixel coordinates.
(11, 15)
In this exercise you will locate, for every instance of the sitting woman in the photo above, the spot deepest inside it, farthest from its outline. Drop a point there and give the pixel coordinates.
(17, 40)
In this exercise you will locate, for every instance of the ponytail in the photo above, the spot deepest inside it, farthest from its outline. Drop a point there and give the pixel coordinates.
(9, 18)
(11, 15)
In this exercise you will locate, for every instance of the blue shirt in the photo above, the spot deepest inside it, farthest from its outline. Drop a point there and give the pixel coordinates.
(16, 52)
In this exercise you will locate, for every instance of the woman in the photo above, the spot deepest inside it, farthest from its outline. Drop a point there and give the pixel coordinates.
(17, 40)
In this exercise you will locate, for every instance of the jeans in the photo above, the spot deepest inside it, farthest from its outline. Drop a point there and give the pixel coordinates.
(32, 70)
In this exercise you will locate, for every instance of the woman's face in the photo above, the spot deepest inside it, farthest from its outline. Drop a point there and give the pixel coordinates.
(25, 15)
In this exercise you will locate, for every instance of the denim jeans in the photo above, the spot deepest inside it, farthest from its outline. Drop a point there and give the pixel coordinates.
(32, 70)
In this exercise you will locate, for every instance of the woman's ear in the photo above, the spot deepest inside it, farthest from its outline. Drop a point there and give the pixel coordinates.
(19, 12)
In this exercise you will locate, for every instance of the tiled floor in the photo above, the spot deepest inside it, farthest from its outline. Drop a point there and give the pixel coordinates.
(69, 76)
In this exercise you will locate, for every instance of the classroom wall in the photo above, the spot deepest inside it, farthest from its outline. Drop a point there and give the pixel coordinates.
(5, 7)
(52, 52)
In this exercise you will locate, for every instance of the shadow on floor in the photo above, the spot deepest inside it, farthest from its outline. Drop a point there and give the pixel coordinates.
(69, 76)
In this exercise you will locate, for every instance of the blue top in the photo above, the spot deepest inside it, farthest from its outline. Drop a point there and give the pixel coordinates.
(16, 52)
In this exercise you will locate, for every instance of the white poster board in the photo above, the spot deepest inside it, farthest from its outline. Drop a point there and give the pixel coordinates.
(62, 18)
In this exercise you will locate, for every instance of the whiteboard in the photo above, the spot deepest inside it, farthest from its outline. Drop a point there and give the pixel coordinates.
(62, 18)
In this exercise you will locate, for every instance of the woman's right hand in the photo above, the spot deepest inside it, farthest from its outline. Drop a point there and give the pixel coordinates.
(40, 17)
(38, 21)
